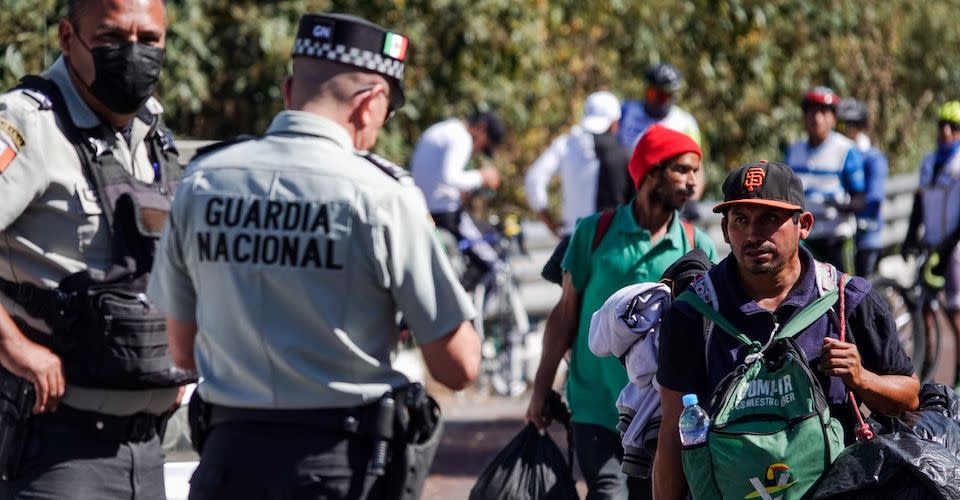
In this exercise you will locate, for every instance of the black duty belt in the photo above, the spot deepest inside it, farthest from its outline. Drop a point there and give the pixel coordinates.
(37, 301)
(137, 427)
(359, 420)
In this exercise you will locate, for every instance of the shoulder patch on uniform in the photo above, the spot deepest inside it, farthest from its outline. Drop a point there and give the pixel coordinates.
(217, 146)
(8, 131)
(8, 151)
(395, 171)
(39, 97)
(154, 106)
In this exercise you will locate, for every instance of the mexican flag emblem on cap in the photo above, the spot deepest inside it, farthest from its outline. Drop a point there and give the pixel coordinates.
(395, 46)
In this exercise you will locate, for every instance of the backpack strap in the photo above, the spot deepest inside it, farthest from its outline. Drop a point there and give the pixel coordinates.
(827, 277)
(704, 309)
(703, 287)
(800, 321)
(603, 225)
(690, 233)
(809, 314)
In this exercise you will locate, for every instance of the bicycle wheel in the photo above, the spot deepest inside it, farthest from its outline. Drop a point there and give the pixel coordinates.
(504, 324)
(932, 336)
(907, 313)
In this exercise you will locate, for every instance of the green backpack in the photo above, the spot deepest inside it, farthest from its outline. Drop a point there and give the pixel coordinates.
(771, 435)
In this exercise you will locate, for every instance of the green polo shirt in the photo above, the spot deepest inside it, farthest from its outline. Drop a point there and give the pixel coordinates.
(624, 257)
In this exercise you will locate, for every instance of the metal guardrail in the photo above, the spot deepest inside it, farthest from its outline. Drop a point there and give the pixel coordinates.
(540, 296)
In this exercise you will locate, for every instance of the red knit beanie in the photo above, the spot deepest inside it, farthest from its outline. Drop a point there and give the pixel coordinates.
(657, 144)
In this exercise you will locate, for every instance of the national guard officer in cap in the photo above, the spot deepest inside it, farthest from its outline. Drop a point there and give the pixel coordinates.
(283, 265)
(87, 171)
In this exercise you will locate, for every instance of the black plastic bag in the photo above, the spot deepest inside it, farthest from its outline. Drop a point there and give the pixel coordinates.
(940, 398)
(531, 467)
(900, 466)
(937, 420)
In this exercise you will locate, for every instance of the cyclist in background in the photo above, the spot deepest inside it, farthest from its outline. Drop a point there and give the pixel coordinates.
(831, 169)
(936, 208)
(852, 116)
(591, 163)
(663, 83)
(439, 168)
(658, 107)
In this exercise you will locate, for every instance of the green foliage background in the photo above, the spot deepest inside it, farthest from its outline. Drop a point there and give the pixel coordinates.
(746, 65)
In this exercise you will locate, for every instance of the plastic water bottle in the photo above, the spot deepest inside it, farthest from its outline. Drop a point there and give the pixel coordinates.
(694, 422)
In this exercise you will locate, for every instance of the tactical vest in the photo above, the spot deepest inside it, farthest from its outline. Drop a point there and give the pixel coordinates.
(103, 327)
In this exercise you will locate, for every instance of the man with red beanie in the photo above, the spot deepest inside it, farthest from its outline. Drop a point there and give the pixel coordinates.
(634, 244)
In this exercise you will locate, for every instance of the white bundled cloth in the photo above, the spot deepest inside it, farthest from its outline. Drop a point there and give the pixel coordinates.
(628, 326)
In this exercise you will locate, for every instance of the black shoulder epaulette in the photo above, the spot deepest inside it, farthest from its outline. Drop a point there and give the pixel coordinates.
(39, 89)
(390, 168)
(217, 146)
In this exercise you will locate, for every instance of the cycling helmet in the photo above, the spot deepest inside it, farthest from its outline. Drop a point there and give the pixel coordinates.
(664, 77)
(949, 112)
(851, 110)
(820, 96)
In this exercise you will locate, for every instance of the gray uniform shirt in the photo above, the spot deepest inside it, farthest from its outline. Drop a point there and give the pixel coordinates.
(51, 223)
(293, 255)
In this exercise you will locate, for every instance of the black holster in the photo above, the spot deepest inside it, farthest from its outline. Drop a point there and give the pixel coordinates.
(17, 397)
(420, 427)
(198, 418)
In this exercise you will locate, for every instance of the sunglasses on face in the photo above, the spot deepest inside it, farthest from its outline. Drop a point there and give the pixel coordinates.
(390, 109)
(657, 95)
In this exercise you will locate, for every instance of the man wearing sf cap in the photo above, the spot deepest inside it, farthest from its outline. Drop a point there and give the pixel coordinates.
(439, 168)
(639, 241)
(310, 247)
(592, 166)
(766, 279)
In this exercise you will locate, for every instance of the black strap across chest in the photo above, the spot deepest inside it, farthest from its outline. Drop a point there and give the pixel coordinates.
(103, 170)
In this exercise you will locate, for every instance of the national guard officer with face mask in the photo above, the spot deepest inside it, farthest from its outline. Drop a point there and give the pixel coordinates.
(87, 171)
(282, 268)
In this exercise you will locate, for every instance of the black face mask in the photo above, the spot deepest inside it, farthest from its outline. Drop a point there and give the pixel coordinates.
(125, 75)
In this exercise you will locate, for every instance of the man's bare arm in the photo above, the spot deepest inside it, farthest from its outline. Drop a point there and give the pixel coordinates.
(181, 336)
(558, 336)
(887, 394)
(669, 482)
(33, 362)
(454, 359)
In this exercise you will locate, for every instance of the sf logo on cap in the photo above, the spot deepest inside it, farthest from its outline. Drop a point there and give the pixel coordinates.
(753, 178)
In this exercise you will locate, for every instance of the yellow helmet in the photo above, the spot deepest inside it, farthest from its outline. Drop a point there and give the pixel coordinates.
(950, 112)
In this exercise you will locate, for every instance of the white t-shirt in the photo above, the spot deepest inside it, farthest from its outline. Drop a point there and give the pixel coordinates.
(574, 155)
(439, 163)
(634, 120)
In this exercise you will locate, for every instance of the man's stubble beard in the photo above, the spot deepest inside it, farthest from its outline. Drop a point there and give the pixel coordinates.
(662, 196)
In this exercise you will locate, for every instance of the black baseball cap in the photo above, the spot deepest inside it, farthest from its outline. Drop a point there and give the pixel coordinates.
(354, 41)
(762, 183)
(495, 127)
